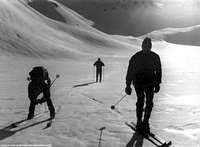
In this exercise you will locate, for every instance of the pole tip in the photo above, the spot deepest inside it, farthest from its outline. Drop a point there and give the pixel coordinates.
(112, 107)
(102, 128)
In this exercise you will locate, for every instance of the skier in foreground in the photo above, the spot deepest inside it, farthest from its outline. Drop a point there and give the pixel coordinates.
(144, 72)
(98, 65)
(40, 83)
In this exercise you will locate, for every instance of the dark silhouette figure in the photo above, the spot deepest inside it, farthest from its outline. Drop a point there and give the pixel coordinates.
(98, 65)
(40, 83)
(136, 141)
(144, 72)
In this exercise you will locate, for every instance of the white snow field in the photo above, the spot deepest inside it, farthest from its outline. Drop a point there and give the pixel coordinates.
(69, 48)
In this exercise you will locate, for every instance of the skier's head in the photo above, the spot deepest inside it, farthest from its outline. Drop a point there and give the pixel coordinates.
(146, 44)
(99, 59)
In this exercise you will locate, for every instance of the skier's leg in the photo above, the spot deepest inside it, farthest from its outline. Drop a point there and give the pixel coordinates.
(100, 75)
(149, 105)
(139, 105)
(33, 92)
(47, 96)
(31, 109)
(51, 108)
(97, 74)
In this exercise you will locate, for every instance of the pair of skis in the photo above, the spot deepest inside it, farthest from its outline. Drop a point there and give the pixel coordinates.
(25, 122)
(149, 136)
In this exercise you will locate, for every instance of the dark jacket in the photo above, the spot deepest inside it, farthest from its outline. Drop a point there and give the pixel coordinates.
(98, 64)
(144, 69)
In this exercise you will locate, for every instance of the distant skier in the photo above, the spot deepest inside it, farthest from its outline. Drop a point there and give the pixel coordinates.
(40, 83)
(98, 65)
(144, 72)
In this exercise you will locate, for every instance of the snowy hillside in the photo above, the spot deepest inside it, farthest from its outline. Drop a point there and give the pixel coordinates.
(186, 36)
(47, 33)
(28, 32)
(190, 37)
(137, 17)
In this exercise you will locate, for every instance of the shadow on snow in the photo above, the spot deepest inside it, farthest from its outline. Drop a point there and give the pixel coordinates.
(136, 141)
(84, 84)
(7, 131)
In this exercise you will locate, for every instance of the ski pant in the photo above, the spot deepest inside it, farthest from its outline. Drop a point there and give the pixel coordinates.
(142, 92)
(34, 89)
(98, 75)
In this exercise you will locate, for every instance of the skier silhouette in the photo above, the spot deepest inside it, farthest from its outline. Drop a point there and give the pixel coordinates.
(98, 65)
(144, 72)
(40, 83)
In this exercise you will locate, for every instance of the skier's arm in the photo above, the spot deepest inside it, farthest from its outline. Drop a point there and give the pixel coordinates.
(129, 75)
(48, 79)
(158, 71)
(95, 64)
(129, 78)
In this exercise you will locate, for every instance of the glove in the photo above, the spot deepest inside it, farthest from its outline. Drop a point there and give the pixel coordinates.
(157, 88)
(42, 100)
(38, 102)
(128, 90)
(49, 83)
(34, 102)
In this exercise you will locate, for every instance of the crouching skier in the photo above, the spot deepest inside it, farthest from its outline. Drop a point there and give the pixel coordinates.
(40, 83)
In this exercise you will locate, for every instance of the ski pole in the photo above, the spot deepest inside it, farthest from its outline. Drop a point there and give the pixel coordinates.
(100, 138)
(113, 106)
(57, 76)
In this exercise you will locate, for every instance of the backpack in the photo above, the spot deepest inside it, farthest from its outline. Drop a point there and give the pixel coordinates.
(39, 73)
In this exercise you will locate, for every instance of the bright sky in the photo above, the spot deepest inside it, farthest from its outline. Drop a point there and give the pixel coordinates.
(178, 1)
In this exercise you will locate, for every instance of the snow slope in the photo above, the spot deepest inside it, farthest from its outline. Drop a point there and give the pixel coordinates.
(82, 106)
(186, 36)
(27, 32)
(137, 17)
